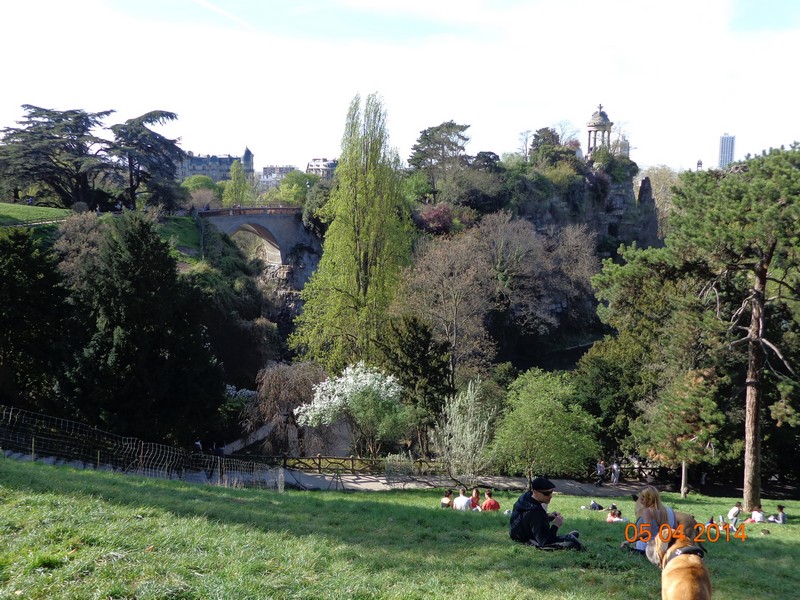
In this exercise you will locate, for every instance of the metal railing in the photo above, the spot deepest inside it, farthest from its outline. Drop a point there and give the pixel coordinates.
(32, 436)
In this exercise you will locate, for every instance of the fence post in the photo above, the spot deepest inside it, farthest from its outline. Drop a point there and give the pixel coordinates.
(33, 449)
(98, 460)
(352, 465)
(319, 463)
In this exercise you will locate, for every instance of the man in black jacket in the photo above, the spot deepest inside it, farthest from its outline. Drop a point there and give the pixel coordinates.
(532, 524)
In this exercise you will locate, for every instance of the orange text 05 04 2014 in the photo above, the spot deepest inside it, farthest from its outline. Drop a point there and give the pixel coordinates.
(700, 533)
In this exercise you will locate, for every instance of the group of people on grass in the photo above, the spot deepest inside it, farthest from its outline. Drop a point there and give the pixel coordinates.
(756, 515)
(532, 524)
(473, 502)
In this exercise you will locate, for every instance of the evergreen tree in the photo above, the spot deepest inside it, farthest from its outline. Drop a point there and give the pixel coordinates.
(32, 305)
(145, 370)
(58, 149)
(738, 231)
(420, 363)
(146, 156)
(366, 244)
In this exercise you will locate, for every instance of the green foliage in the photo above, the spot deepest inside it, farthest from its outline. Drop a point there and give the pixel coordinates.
(145, 369)
(367, 242)
(683, 425)
(409, 351)
(545, 431)
(32, 307)
(619, 168)
(58, 149)
(147, 157)
(439, 152)
(237, 190)
(295, 187)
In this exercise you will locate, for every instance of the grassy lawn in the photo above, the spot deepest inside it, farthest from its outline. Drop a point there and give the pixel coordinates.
(84, 534)
(19, 214)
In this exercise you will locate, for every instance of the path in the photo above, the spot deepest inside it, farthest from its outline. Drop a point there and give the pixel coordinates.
(375, 483)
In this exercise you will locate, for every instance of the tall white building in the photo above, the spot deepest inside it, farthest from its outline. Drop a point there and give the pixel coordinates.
(726, 143)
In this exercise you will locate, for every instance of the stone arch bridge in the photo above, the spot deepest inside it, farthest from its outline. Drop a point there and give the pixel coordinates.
(281, 228)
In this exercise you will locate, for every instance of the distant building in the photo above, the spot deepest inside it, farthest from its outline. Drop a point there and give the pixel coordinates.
(726, 143)
(271, 175)
(216, 167)
(322, 167)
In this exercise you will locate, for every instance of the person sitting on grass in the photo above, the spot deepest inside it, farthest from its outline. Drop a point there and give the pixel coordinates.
(733, 514)
(475, 499)
(780, 518)
(463, 502)
(492, 504)
(447, 499)
(531, 523)
(757, 516)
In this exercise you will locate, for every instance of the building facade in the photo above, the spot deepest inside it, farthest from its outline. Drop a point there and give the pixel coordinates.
(271, 175)
(322, 167)
(726, 143)
(216, 167)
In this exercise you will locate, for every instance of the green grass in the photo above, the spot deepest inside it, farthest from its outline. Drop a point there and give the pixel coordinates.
(184, 235)
(84, 534)
(20, 214)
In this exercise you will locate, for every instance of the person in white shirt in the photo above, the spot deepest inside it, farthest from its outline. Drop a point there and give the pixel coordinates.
(757, 516)
(733, 514)
(463, 502)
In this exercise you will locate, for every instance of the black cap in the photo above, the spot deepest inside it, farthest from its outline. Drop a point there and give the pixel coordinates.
(541, 483)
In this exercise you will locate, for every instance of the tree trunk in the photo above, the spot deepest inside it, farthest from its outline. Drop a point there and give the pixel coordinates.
(755, 362)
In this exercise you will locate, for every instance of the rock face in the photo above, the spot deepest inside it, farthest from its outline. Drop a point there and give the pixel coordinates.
(612, 210)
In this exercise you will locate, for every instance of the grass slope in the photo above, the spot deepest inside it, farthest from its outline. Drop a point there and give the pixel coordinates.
(19, 214)
(84, 534)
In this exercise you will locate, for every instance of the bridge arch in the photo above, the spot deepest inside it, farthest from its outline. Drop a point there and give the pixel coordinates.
(272, 248)
(281, 228)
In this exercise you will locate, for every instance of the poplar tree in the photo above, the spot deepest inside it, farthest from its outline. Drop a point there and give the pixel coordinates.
(367, 243)
(236, 189)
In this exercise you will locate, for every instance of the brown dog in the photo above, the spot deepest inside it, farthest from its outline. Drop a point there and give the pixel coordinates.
(684, 575)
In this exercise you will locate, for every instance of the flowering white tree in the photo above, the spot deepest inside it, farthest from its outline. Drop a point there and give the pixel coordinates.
(367, 398)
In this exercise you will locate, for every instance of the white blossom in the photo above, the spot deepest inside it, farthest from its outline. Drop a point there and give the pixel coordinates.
(332, 396)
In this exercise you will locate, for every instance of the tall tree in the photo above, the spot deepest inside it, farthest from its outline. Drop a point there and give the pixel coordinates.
(58, 149)
(742, 223)
(146, 369)
(237, 191)
(367, 242)
(682, 427)
(450, 288)
(439, 152)
(420, 363)
(146, 156)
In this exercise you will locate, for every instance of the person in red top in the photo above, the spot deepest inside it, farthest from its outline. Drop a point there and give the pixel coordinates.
(475, 499)
(490, 503)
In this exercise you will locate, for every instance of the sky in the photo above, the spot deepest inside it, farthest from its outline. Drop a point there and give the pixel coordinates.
(278, 76)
